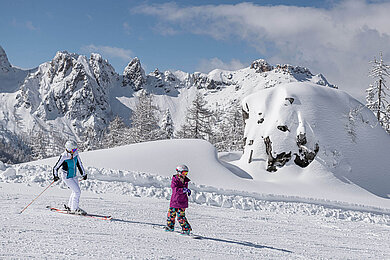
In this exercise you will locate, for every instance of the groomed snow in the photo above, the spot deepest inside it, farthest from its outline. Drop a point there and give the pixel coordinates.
(228, 208)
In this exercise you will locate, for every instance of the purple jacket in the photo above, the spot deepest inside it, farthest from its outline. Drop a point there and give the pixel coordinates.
(178, 198)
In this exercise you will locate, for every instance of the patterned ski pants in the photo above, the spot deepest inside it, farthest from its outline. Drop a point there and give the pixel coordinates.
(181, 218)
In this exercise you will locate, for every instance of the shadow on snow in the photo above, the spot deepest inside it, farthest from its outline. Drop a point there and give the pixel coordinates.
(241, 243)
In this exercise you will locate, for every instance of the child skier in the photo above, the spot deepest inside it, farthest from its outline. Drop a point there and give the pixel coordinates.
(69, 162)
(179, 200)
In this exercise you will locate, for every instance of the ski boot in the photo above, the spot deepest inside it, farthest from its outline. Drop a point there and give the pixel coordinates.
(168, 229)
(67, 208)
(79, 211)
(185, 232)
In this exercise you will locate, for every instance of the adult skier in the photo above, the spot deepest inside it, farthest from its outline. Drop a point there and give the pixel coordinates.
(69, 162)
(179, 200)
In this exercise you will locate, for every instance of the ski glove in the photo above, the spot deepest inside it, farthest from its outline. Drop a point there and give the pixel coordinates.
(55, 178)
(84, 177)
(186, 190)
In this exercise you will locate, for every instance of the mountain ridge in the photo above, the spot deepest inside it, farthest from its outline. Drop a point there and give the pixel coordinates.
(77, 97)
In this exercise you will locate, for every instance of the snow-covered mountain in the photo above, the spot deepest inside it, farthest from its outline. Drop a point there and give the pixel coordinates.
(75, 96)
(10, 77)
(71, 90)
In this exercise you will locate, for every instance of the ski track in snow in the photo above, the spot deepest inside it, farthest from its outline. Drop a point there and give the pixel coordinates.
(138, 184)
(226, 233)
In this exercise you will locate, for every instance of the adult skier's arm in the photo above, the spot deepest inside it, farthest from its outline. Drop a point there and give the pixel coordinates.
(57, 166)
(81, 168)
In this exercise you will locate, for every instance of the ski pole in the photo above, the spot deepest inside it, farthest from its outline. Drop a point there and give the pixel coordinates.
(36, 197)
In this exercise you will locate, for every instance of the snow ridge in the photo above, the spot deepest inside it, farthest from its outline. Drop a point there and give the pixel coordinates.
(147, 185)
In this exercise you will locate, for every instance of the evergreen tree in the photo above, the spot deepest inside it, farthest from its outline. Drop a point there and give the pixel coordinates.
(386, 119)
(230, 133)
(45, 143)
(117, 133)
(91, 139)
(377, 100)
(167, 126)
(38, 142)
(198, 121)
(144, 119)
(13, 148)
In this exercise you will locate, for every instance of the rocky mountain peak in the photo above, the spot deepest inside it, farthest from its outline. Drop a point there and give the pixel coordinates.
(73, 87)
(5, 66)
(261, 65)
(134, 75)
(103, 71)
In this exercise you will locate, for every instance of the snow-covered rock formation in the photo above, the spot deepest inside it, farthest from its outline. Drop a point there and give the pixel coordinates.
(306, 130)
(134, 75)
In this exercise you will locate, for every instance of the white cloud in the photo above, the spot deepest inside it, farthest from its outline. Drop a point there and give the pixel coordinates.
(207, 65)
(29, 25)
(338, 42)
(108, 51)
(127, 28)
(25, 25)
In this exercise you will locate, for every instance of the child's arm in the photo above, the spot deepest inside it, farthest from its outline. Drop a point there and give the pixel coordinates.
(175, 185)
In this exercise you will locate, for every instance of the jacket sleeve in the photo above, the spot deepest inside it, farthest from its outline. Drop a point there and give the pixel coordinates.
(80, 166)
(175, 185)
(58, 165)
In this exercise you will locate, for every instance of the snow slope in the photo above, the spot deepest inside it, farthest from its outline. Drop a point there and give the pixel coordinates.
(208, 174)
(231, 212)
(237, 216)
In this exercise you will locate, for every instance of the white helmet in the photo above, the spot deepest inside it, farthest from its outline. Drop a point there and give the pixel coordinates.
(71, 146)
(181, 168)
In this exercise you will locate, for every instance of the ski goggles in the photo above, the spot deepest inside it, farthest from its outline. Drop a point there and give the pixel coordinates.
(184, 172)
(73, 150)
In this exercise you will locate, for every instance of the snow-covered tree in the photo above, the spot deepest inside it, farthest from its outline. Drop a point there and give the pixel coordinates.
(230, 129)
(91, 139)
(386, 119)
(167, 127)
(377, 99)
(197, 122)
(13, 148)
(45, 143)
(117, 133)
(144, 119)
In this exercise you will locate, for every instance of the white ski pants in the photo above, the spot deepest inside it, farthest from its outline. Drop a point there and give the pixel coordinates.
(73, 184)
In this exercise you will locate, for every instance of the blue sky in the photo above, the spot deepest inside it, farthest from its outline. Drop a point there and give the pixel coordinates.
(328, 37)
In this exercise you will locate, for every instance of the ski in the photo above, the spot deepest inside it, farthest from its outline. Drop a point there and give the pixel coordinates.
(62, 211)
(191, 235)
